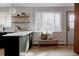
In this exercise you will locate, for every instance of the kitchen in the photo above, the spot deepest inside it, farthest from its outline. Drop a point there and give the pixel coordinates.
(15, 27)
(26, 21)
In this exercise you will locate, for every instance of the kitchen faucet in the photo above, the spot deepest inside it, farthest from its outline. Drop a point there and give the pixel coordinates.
(2, 27)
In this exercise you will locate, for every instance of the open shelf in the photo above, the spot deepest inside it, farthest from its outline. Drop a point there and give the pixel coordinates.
(20, 22)
(20, 16)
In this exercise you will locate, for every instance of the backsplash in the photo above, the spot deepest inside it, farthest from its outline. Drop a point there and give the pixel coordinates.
(24, 26)
(21, 22)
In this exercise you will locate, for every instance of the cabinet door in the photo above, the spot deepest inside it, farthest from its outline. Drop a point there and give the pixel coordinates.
(30, 40)
(0, 42)
(1, 39)
(76, 29)
(11, 46)
(23, 43)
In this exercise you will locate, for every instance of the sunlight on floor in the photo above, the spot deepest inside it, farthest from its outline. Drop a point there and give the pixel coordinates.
(51, 51)
(47, 51)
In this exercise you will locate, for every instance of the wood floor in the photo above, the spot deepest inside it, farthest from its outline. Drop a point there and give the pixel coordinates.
(48, 51)
(51, 51)
(1, 52)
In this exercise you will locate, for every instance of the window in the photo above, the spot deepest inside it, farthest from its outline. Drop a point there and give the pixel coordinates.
(47, 22)
(5, 19)
(71, 20)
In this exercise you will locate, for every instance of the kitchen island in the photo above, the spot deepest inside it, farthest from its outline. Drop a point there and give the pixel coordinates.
(15, 44)
(1, 37)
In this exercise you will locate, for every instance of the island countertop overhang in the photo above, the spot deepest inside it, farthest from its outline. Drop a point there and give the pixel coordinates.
(19, 34)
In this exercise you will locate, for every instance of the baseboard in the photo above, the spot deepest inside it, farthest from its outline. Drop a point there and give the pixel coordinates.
(48, 44)
(70, 44)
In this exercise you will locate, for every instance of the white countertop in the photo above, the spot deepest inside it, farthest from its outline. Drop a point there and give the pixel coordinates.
(20, 33)
(7, 31)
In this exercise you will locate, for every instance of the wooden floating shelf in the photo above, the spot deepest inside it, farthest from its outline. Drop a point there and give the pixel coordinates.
(20, 16)
(20, 22)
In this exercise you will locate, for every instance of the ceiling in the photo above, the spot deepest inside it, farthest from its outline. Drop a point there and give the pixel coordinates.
(37, 4)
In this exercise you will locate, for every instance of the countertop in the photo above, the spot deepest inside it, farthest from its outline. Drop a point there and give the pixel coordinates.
(20, 33)
(7, 31)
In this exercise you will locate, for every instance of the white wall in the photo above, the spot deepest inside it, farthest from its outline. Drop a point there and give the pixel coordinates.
(61, 36)
(30, 11)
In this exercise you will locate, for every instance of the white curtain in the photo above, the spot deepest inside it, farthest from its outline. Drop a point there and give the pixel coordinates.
(38, 21)
(58, 22)
(48, 22)
(5, 19)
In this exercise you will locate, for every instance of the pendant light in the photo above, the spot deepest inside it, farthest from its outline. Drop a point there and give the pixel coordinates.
(12, 10)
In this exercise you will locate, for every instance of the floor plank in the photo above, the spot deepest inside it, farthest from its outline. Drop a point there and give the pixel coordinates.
(48, 51)
(1, 52)
(51, 51)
